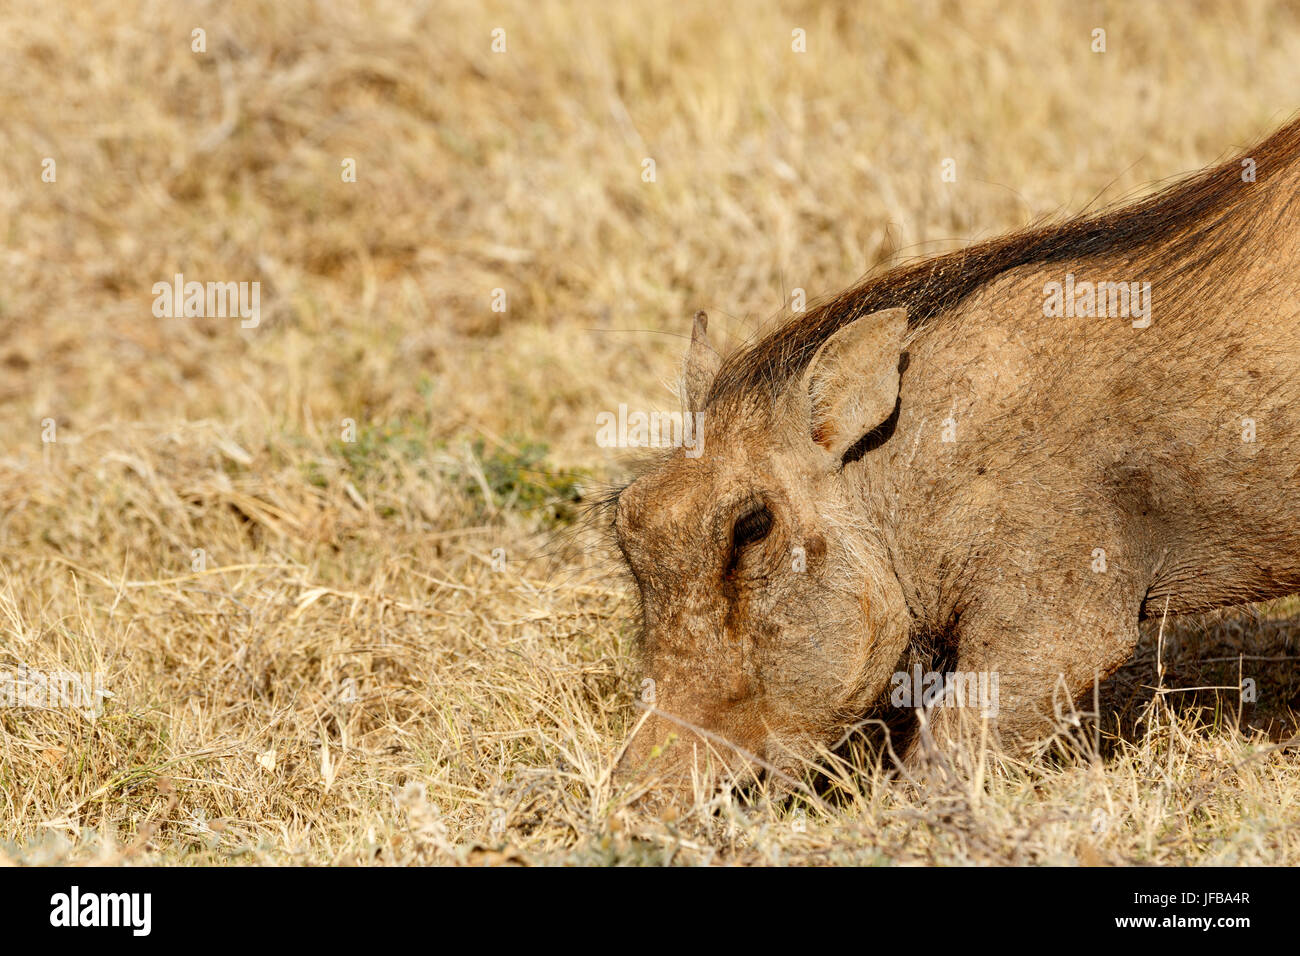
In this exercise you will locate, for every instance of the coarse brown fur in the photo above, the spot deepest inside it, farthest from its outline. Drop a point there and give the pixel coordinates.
(1029, 485)
(1188, 225)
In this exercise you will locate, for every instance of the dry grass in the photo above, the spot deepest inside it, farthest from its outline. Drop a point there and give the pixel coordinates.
(349, 679)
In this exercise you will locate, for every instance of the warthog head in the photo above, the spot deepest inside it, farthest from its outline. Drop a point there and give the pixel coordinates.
(772, 616)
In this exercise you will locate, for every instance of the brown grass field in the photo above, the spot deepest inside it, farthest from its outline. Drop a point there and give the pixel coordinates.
(345, 675)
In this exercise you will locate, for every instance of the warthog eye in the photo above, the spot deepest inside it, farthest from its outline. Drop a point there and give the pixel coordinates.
(751, 526)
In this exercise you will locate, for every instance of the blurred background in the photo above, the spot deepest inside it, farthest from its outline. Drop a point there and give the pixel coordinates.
(306, 622)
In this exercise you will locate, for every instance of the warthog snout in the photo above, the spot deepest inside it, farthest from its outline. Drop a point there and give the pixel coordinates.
(672, 756)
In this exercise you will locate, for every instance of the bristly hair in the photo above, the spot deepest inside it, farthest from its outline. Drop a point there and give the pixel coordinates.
(1183, 212)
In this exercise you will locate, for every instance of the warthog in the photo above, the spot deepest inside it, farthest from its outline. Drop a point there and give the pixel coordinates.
(1008, 455)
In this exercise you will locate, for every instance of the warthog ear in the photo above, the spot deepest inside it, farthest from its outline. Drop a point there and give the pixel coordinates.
(702, 364)
(853, 380)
